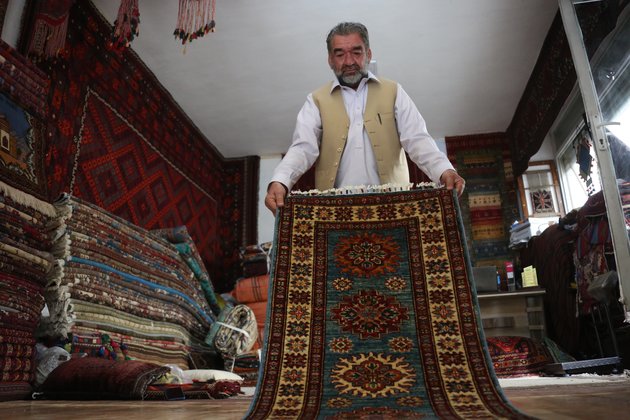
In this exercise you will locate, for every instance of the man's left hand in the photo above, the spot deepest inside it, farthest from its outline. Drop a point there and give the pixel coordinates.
(451, 179)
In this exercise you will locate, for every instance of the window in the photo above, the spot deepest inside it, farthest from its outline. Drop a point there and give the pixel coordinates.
(539, 190)
(4, 140)
(622, 116)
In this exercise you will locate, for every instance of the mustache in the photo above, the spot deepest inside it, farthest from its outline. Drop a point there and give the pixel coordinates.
(354, 67)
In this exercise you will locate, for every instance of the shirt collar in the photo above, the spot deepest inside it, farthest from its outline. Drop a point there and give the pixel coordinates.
(335, 84)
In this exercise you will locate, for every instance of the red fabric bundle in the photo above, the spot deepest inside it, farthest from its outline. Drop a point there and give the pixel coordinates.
(517, 356)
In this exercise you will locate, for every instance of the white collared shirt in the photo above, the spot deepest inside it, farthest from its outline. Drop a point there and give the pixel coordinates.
(358, 163)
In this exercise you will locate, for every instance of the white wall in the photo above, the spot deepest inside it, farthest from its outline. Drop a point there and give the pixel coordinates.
(546, 152)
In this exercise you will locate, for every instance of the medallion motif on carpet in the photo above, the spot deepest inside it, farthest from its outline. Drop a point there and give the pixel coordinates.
(372, 315)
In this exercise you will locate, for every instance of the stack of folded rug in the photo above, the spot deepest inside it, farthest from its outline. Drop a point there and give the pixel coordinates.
(124, 281)
(254, 261)
(25, 264)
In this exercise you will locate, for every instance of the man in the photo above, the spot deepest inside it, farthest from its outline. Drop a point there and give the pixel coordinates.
(356, 129)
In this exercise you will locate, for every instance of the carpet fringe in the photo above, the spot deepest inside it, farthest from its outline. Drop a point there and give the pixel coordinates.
(369, 189)
(27, 200)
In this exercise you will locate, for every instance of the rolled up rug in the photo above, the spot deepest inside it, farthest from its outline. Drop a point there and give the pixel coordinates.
(235, 331)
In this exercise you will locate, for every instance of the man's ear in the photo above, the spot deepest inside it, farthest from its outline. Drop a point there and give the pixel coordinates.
(369, 54)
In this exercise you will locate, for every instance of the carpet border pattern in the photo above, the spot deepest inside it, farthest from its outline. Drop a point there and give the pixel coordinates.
(461, 386)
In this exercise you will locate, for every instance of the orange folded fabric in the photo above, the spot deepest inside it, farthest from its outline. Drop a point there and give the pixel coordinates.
(251, 289)
(260, 311)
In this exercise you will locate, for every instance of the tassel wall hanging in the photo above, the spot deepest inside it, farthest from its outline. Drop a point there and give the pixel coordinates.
(194, 20)
(50, 26)
(125, 25)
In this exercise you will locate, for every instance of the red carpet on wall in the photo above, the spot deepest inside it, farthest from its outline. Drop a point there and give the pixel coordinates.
(119, 140)
(23, 90)
(117, 169)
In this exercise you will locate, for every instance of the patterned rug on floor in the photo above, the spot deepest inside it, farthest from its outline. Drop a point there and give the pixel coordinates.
(372, 314)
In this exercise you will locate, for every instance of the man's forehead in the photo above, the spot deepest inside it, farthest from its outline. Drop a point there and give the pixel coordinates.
(350, 41)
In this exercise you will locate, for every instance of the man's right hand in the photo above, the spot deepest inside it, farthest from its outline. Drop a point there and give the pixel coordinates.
(275, 196)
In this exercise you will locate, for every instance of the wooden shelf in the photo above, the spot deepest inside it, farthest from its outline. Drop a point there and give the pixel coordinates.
(519, 313)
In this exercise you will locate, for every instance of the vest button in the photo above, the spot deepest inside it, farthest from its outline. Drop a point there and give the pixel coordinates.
(339, 150)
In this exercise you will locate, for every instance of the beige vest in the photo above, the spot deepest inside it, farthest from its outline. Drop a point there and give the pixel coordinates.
(380, 124)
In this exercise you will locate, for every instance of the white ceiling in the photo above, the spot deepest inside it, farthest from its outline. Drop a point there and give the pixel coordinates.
(465, 63)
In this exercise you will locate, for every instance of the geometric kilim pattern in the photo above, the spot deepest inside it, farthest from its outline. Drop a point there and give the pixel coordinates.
(372, 314)
(542, 201)
(488, 204)
(150, 149)
(118, 170)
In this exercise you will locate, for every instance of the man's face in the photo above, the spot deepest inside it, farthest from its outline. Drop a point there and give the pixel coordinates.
(349, 59)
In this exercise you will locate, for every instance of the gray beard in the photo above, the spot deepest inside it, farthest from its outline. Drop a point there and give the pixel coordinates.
(351, 81)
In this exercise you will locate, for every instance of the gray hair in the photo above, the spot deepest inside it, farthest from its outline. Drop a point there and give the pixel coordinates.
(347, 28)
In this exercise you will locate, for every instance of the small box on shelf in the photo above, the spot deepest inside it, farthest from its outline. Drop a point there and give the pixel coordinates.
(529, 277)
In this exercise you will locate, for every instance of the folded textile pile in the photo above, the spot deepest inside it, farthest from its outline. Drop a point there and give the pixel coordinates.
(520, 233)
(196, 391)
(183, 242)
(25, 265)
(122, 280)
(195, 384)
(254, 260)
(247, 366)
